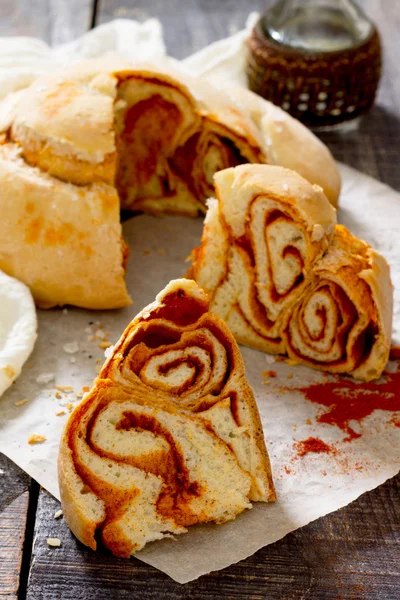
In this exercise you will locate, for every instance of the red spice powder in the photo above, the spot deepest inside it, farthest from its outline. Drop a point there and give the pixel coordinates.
(348, 400)
(394, 353)
(313, 445)
(269, 373)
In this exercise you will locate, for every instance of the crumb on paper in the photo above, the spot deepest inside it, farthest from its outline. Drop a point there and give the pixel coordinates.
(64, 388)
(71, 347)
(45, 378)
(290, 376)
(21, 402)
(35, 438)
(70, 406)
(58, 514)
(269, 374)
(54, 542)
(104, 345)
(60, 413)
(270, 359)
(85, 388)
(58, 395)
(108, 351)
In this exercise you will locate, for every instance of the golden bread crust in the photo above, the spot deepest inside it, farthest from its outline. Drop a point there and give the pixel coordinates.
(49, 226)
(290, 144)
(287, 279)
(169, 435)
(155, 135)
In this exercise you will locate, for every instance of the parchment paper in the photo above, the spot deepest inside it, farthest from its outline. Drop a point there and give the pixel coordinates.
(68, 353)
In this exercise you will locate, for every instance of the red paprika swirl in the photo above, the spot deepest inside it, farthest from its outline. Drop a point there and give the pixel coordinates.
(338, 323)
(287, 280)
(258, 246)
(169, 435)
(173, 134)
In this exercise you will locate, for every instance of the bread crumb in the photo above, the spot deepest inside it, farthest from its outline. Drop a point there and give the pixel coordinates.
(71, 347)
(35, 438)
(21, 402)
(270, 359)
(108, 351)
(104, 345)
(58, 395)
(58, 514)
(53, 542)
(85, 388)
(60, 413)
(317, 233)
(290, 376)
(70, 406)
(64, 388)
(45, 378)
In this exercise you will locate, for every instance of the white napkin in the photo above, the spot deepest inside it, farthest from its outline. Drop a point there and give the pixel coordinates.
(307, 487)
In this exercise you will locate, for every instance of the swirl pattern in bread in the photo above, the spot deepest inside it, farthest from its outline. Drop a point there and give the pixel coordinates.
(151, 137)
(169, 435)
(287, 279)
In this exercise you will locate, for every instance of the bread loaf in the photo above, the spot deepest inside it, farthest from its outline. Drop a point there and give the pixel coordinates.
(169, 435)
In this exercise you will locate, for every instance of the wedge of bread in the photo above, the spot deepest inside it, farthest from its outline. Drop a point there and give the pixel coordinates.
(169, 435)
(287, 279)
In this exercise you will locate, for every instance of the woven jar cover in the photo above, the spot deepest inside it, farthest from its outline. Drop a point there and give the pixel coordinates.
(318, 88)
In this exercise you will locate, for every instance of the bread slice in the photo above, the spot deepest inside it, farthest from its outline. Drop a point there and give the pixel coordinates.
(169, 435)
(287, 279)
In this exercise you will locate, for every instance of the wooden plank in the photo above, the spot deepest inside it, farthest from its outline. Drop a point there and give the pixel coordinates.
(351, 554)
(54, 21)
(14, 500)
(189, 25)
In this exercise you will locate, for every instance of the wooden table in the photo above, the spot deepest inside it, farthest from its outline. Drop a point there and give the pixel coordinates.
(351, 554)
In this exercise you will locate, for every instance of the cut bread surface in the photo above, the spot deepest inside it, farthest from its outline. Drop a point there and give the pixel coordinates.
(154, 136)
(287, 279)
(169, 435)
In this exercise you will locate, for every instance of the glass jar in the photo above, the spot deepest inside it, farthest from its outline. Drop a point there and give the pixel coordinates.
(318, 59)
